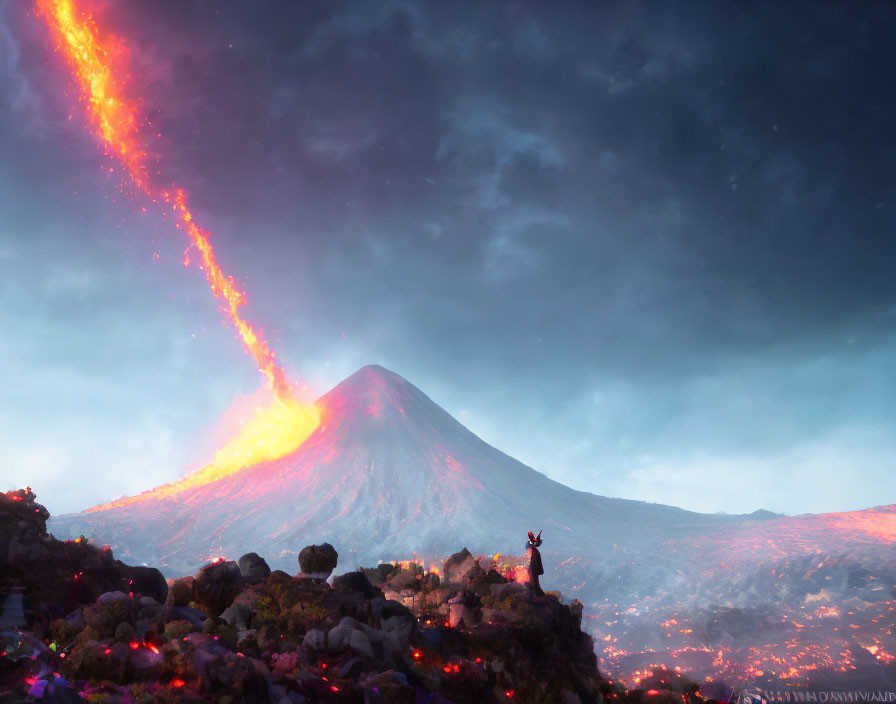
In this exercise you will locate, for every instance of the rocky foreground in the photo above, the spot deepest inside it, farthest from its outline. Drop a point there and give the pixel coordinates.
(79, 625)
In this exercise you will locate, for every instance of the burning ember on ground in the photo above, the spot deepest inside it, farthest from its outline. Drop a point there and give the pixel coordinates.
(806, 621)
(808, 649)
(99, 64)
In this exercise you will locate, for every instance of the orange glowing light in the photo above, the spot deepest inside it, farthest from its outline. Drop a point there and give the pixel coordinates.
(879, 523)
(98, 67)
(177, 683)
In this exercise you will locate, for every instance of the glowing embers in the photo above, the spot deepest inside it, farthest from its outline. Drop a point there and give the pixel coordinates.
(96, 64)
(100, 68)
(224, 287)
(796, 649)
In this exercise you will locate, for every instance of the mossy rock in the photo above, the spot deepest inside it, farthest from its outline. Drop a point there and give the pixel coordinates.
(226, 635)
(181, 592)
(62, 632)
(175, 630)
(124, 632)
(86, 663)
(87, 634)
(104, 618)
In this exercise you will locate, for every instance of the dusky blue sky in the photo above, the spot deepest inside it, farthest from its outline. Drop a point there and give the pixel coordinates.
(646, 247)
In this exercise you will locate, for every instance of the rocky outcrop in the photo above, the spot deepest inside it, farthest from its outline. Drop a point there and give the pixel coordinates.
(55, 577)
(389, 633)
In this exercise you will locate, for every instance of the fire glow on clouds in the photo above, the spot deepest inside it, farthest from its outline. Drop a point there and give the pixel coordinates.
(99, 65)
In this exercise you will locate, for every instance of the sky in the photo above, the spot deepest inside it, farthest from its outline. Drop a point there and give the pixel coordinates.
(644, 247)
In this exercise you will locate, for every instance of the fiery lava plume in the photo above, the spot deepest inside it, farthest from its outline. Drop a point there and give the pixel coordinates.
(98, 67)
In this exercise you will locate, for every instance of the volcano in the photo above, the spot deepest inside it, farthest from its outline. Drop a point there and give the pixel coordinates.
(390, 475)
(387, 474)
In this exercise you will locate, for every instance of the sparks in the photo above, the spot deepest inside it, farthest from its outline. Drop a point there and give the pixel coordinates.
(98, 66)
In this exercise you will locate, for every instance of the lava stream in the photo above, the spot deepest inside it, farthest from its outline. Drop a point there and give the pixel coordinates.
(98, 66)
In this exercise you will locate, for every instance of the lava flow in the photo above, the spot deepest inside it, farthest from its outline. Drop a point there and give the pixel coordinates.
(98, 67)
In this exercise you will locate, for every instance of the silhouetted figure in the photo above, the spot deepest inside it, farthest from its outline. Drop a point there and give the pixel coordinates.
(535, 568)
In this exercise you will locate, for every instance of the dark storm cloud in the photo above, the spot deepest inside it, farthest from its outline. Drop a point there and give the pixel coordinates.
(660, 228)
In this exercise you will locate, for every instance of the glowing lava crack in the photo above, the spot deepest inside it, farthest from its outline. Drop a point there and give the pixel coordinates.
(98, 66)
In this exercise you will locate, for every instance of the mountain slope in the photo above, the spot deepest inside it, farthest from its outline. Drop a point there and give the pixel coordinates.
(388, 473)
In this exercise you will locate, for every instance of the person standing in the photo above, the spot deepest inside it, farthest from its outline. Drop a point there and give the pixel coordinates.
(535, 567)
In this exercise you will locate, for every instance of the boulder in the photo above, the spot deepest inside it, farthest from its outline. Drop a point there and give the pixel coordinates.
(147, 581)
(180, 593)
(379, 574)
(362, 638)
(219, 670)
(237, 615)
(175, 630)
(104, 618)
(318, 560)
(384, 609)
(315, 639)
(360, 643)
(355, 582)
(475, 573)
(402, 626)
(460, 614)
(253, 567)
(124, 632)
(187, 613)
(112, 598)
(216, 586)
(458, 565)
(405, 579)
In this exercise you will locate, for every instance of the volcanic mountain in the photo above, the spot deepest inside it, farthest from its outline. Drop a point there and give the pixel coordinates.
(387, 474)
(390, 475)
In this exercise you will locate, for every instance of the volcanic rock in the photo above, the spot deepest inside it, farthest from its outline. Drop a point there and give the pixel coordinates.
(216, 586)
(404, 579)
(315, 639)
(355, 582)
(180, 593)
(253, 567)
(367, 652)
(148, 581)
(317, 560)
(458, 565)
(237, 615)
(124, 632)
